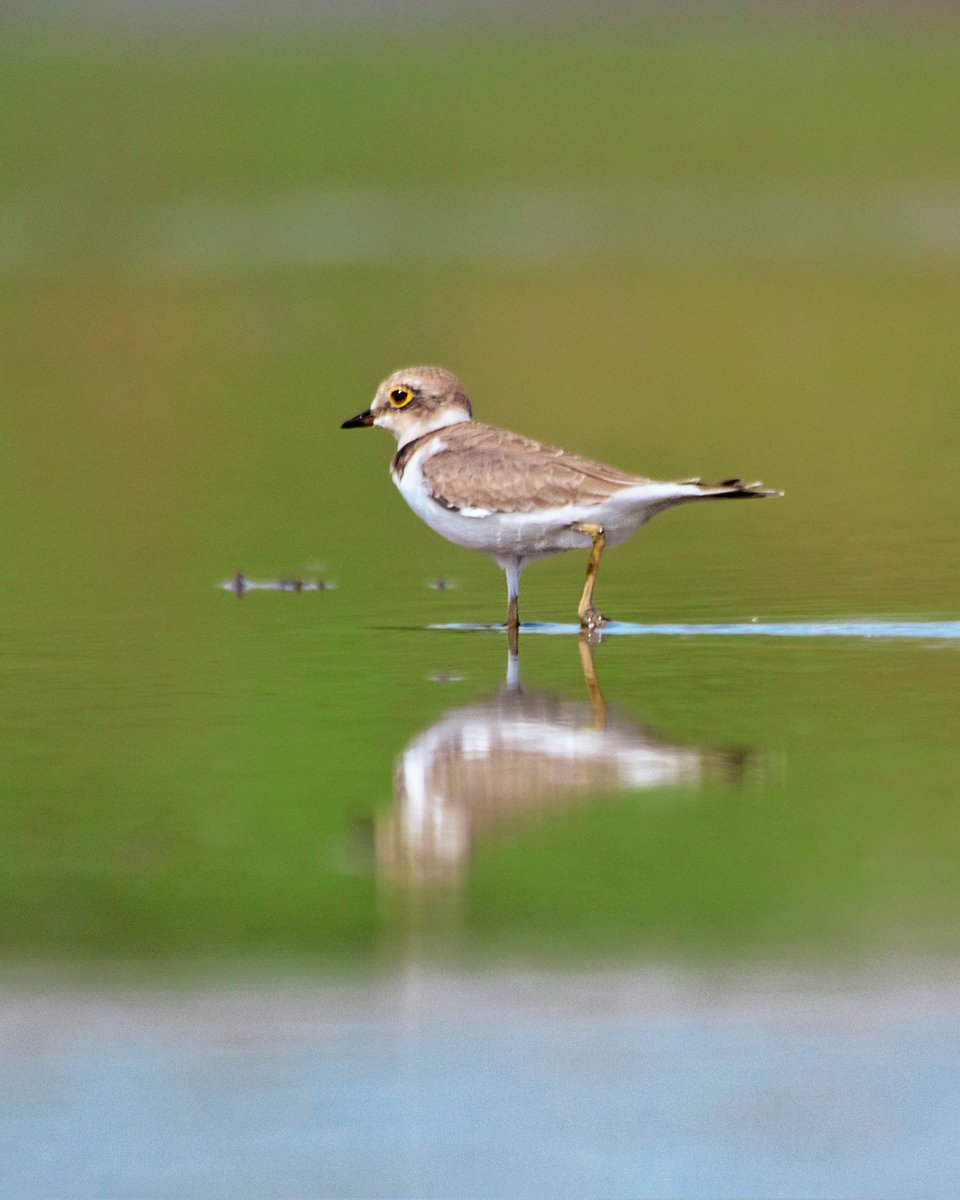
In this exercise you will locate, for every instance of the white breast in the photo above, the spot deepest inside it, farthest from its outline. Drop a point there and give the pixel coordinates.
(463, 527)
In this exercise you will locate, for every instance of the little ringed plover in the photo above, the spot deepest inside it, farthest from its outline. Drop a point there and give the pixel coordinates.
(509, 496)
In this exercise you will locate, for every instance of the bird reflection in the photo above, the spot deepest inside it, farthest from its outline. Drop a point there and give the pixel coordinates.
(489, 765)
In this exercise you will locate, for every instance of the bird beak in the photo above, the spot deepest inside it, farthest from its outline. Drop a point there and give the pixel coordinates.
(364, 418)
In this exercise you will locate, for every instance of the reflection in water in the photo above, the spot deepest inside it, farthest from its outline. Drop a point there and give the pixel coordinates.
(240, 585)
(490, 764)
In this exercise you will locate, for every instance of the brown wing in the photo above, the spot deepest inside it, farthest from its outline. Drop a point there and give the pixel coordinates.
(485, 467)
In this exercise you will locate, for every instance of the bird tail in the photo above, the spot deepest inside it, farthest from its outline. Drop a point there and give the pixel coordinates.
(727, 489)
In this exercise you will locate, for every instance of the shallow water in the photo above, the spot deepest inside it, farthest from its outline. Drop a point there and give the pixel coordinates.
(307, 885)
(342, 912)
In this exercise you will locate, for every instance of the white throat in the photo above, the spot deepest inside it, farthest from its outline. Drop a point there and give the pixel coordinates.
(405, 429)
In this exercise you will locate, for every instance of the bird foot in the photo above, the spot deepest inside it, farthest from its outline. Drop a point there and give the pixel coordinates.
(590, 619)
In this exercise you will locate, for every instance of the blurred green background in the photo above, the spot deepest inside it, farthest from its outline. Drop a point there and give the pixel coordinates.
(686, 246)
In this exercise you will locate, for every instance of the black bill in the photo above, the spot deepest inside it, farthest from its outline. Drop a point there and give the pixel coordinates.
(364, 418)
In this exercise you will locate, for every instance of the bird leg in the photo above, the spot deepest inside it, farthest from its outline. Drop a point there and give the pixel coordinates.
(589, 617)
(513, 612)
(513, 628)
(511, 568)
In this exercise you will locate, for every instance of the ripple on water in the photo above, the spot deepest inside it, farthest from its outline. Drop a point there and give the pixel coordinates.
(936, 630)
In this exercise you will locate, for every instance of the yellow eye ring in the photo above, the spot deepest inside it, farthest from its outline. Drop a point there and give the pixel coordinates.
(400, 397)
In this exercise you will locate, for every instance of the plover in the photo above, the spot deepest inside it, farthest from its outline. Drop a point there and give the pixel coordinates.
(513, 498)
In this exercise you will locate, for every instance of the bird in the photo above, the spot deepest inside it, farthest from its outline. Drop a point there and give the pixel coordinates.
(510, 497)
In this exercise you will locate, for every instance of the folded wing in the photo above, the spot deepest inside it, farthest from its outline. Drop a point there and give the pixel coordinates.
(489, 469)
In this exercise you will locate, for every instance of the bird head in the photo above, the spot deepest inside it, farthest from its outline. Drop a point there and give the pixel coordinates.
(415, 401)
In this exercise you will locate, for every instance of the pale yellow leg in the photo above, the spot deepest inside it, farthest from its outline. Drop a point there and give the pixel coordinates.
(589, 617)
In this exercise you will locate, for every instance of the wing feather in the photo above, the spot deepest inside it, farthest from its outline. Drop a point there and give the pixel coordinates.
(482, 467)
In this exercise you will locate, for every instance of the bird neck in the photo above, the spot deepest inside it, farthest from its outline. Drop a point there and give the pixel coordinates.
(414, 430)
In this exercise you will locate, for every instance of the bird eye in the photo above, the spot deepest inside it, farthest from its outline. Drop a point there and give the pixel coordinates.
(400, 397)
